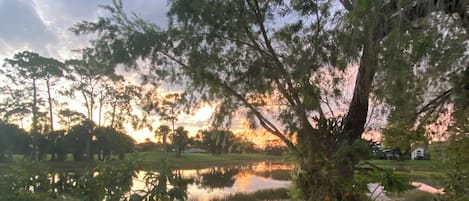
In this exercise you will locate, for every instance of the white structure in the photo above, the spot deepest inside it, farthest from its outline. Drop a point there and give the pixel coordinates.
(417, 153)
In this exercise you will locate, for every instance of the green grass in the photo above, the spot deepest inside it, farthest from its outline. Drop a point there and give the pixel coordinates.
(414, 195)
(151, 160)
(201, 160)
(271, 194)
(409, 165)
(430, 172)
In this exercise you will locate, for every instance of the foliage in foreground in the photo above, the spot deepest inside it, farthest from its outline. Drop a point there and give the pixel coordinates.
(458, 171)
(31, 181)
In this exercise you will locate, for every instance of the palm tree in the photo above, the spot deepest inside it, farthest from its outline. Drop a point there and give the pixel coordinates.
(163, 130)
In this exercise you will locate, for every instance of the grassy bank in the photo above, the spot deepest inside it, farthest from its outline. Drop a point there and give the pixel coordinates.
(430, 172)
(151, 160)
(200, 160)
(271, 194)
(408, 165)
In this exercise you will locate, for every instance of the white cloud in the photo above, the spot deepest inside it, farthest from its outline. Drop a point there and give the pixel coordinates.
(43, 26)
(23, 28)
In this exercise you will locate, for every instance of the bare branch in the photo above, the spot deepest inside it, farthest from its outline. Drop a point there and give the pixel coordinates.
(436, 102)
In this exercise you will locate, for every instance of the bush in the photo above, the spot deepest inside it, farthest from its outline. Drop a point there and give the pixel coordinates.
(457, 167)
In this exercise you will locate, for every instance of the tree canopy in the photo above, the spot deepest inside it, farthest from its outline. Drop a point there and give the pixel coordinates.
(281, 63)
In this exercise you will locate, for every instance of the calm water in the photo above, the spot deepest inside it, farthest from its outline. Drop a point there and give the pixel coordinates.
(199, 184)
(208, 183)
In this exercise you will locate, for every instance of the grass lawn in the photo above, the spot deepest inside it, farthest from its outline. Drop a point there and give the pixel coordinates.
(430, 172)
(151, 160)
(409, 165)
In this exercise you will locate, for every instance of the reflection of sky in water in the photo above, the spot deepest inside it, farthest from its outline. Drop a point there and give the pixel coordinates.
(246, 180)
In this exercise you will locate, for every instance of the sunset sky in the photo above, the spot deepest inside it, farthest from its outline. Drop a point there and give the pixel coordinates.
(42, 26)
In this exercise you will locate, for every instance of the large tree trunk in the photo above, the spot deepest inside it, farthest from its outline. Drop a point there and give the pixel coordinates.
(322, 176)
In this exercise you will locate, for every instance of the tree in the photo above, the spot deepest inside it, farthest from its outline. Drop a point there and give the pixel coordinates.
(120, 99)
(401, 139)
(13, 107)
(69, 118)
(179, 140)
(28, 69)
(111, 141)
(88, 76)
(168, 108)
(242, 145)
(217, 141)
(163, 131)
(79, 140)
(457, 162)
(13, 140)
(268, 59)
(54, 144)
(53, 69)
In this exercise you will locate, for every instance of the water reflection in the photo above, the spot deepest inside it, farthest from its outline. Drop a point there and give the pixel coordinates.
(119, 182)
(209, 183)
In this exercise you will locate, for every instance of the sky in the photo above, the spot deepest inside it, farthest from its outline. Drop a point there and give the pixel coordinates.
(42, 26)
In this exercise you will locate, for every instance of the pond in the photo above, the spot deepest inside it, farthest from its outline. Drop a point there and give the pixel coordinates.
(114, 182)
(216, 182)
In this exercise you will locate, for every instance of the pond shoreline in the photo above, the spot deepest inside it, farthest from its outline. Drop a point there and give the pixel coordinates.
(151, 160)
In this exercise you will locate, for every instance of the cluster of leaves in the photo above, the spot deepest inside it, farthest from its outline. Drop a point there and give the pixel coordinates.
(457, 163)
(31, 181)
(335, 158)
(12, 140)
(400, 138)
(161, 186)
(108, 181)
(218, 141)
(26, 181)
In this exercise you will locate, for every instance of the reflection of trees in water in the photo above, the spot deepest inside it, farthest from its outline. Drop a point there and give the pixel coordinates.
(32, 181)
(275, 174)
(65, 181)
(220, 177)
(217, 177)
(114, 181)
(181, 180)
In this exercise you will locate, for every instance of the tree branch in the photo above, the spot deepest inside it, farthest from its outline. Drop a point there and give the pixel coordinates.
(437, 101)
(292, 93)
(347, 4)
(265, 123)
